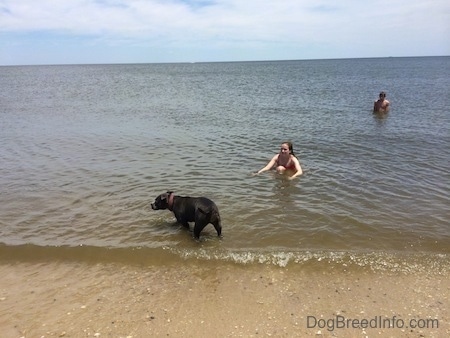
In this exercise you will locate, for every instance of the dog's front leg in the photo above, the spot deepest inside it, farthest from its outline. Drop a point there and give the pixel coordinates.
(184, 223)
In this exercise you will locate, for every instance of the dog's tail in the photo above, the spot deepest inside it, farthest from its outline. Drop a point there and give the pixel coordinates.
(207, 213)
(213, 214)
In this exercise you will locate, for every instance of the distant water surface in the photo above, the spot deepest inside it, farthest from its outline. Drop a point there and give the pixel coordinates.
(86, 148)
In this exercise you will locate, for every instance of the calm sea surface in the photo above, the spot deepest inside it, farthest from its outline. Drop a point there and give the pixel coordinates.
(86, 148)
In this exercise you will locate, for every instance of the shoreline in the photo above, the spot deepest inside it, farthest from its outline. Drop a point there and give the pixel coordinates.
(79, 299)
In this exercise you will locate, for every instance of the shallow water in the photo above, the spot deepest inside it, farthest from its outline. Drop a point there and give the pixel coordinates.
(85, 149)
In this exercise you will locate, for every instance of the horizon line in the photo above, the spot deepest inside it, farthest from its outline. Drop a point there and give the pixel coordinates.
(223, 61)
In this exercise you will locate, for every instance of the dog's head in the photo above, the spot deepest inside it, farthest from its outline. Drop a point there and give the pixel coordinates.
(162, 201)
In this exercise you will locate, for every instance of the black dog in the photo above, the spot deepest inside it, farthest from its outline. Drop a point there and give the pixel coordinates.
(200, 210)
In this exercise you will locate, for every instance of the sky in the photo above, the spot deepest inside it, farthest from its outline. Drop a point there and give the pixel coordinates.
(159, 31)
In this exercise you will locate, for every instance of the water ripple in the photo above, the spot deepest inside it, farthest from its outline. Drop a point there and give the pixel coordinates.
(82, 167)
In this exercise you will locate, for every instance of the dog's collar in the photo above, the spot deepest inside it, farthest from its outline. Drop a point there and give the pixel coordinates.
(170, 202)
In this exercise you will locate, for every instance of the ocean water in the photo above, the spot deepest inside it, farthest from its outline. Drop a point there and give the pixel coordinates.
(85, 149)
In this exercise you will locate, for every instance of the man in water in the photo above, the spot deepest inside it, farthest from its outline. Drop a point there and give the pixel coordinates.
(382, 105)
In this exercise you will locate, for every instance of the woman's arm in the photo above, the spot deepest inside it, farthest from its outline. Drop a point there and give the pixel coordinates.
(298, 168)
(269, 165)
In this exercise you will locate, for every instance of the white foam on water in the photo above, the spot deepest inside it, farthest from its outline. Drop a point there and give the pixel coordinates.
(374, 261)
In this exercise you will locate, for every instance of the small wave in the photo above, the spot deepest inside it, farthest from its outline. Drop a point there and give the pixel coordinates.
(392, 262)
(374, 261)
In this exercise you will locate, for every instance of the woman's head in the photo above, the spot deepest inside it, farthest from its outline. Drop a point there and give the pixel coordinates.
(287, 146)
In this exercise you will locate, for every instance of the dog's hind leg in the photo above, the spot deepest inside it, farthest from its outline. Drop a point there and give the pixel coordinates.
(218, 227)
(215, 220)
(199, 226)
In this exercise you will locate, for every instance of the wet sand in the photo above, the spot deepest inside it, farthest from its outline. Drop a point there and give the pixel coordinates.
(71, 299)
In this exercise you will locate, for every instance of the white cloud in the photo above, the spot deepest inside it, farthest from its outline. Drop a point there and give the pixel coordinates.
(364, 27)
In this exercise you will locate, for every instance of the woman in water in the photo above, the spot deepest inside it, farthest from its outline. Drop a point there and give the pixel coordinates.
(284, 162)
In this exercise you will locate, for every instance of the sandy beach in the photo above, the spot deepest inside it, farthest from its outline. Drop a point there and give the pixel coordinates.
(73, 299)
